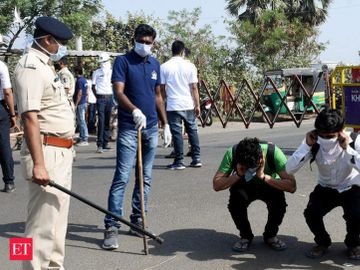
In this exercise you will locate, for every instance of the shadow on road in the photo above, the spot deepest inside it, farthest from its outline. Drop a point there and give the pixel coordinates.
(206, 245)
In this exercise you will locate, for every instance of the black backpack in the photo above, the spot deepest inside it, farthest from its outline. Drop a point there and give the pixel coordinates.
(315, 148)
(270, 156)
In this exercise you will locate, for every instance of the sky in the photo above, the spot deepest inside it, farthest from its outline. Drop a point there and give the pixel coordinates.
(339, 31)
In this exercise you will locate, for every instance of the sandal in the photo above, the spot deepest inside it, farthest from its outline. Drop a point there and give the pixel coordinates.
(316, 252)
(241, 245)
(276, 244)
(354, 253)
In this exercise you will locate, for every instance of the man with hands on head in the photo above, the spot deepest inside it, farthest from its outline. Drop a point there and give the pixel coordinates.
(136, 81)
(255, 170)
(337, 156)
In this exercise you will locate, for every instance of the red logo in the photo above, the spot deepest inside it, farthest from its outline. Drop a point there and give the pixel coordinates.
(20, 249)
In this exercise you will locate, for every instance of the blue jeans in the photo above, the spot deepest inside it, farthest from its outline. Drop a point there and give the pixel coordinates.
(104, 106)
(80, 114)
(126, 154)
(6, 159)
(175, 119)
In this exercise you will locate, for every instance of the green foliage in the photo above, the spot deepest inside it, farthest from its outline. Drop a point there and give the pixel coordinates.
(213, 57)
(76, 13)
(311, 12)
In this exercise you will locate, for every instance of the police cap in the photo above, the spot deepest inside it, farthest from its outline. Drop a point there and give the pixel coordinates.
(51, 26)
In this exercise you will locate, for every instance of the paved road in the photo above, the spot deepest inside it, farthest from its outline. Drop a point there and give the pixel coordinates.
(185, 211)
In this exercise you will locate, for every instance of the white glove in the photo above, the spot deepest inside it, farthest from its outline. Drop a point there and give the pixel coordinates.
(139, 119)
(167, 136)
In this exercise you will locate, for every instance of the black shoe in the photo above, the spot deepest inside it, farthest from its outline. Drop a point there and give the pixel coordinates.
(9, 188)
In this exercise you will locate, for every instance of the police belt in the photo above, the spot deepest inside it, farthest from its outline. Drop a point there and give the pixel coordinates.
(57, 141)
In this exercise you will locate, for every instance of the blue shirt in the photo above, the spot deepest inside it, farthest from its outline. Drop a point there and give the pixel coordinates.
(81, 83)
(140, 78)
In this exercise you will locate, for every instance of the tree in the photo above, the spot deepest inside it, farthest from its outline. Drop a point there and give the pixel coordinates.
(278, 33)
(75, 13)
(115, 35)
(311, 12)
(275, 42)
(214, 58)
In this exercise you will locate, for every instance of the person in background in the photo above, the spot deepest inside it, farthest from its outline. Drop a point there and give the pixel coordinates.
(66, 77)
(91, 108)
(102, 88)
(80, 101)
(7, 120)
(179, 85)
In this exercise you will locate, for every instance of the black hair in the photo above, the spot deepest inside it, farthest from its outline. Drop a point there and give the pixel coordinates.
(144, 30)
(248, 152)
(329, 120)
(177, 47)
(64, 60)
(79, 70)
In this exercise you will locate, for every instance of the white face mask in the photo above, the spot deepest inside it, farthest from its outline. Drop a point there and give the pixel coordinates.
(142, 49)
(330, 149)
(327, 145)
(61, 52)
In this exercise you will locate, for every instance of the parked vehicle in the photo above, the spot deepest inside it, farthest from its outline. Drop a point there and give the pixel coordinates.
(296, 100)
(205, 108)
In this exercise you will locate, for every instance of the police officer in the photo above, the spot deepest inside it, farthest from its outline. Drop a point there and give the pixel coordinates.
(7, 120)
(102, 88)
(66, 77)
(47, 151)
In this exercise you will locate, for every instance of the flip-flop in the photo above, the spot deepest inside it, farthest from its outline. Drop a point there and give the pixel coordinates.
(276, 244)
(354, 253)
(316, 252)
(241, 245)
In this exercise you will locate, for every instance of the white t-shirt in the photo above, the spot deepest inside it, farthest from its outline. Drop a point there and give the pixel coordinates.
(5, 82)
(102, 80)
(177, 74)
(91, 96)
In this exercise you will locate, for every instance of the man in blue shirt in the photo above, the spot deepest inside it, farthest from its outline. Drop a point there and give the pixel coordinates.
(136, 82)
(80, 100)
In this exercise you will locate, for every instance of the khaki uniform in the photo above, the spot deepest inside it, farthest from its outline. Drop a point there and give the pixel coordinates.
(38, 88)
(68, 81)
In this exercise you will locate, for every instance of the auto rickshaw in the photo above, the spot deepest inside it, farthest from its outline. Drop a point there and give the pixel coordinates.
(296, 100)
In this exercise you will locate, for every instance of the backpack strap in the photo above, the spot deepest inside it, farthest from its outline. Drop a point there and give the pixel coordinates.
(270, 157)
(233, 165)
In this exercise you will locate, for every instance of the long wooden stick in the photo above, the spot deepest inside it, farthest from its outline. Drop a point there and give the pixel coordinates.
(141, 186)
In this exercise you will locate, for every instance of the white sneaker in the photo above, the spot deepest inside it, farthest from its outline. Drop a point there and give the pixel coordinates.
(82, 143)
(100, 150)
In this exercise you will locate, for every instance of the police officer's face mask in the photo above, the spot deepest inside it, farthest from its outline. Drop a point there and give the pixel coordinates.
(142, 49)
(61, 52)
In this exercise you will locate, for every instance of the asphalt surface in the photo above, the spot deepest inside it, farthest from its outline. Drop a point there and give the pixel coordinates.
(185, 211)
